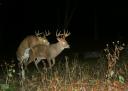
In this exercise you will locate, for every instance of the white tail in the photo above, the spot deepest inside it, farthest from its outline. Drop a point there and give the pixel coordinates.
(22, 52)
(39, 52)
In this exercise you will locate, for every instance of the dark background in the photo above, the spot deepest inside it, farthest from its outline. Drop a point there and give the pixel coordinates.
(91, 28)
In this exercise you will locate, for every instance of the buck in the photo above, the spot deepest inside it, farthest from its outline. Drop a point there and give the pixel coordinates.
(30, 41)
(40, 52)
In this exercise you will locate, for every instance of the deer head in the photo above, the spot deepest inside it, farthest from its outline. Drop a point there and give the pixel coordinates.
(43, 39)
(61, 39)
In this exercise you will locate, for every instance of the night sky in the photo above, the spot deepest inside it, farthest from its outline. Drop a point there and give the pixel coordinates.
(90, 28)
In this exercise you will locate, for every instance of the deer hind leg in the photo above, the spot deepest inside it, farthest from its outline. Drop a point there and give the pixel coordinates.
(26, 68)
(44, 64)
(20, 64)
(26, 63)
(36, 64)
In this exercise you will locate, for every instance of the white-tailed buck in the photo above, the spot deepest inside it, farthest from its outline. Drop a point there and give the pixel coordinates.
(39, 52)
(30, 41)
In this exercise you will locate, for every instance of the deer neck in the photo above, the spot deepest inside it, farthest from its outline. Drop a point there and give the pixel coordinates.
(57, 49)
(60, 48)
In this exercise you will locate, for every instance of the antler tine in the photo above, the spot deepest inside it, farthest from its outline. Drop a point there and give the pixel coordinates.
(66, 34)
(58, 34)
(47, 33)
(37, 33)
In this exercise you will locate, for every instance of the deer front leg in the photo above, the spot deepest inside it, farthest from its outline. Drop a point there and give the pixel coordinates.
(49, 62)
(53, 61)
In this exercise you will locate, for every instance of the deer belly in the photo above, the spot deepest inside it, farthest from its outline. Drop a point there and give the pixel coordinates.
(40, 58)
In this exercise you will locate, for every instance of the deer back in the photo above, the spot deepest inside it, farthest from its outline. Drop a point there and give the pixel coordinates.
(29, 42)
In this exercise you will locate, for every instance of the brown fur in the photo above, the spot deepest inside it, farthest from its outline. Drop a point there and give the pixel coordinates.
(29, 42)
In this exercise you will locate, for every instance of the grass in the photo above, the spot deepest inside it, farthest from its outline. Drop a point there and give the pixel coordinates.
(107, 73)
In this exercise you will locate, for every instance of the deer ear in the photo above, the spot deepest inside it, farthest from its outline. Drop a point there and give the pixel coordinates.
(58, 39)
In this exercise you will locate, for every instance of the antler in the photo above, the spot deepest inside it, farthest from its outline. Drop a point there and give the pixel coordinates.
(58, 34)
(38, 34)
(66, 34)
(46, 33)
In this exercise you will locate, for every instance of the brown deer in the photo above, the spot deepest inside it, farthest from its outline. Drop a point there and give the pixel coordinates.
(30, 41)
(39, 52)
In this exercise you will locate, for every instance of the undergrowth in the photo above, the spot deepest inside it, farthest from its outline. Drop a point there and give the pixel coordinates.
(107, 73)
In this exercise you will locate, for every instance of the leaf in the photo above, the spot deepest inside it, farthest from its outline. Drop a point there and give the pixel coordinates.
(121, 79)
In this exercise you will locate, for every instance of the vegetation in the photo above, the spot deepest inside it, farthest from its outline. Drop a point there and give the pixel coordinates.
(107, 73)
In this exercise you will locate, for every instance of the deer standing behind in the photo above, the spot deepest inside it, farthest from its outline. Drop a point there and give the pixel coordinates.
(39, 52)
(30, 41)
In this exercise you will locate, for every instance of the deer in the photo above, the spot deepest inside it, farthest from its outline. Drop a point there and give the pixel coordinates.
(50, 52)
(30, 41)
